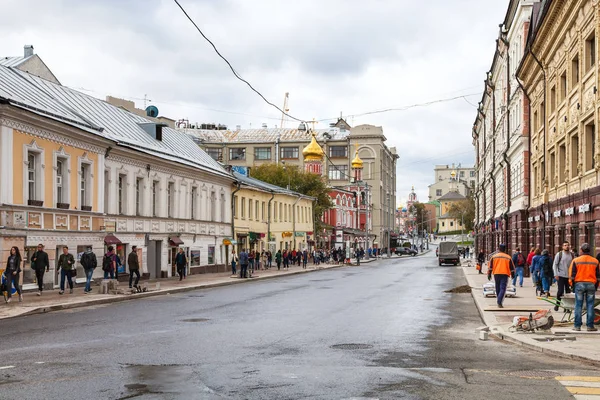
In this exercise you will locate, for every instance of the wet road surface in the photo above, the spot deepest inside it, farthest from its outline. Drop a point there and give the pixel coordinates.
(379, 331)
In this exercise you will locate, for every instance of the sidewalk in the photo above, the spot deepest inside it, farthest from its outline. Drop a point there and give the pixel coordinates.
(52, 301)
(557, 342)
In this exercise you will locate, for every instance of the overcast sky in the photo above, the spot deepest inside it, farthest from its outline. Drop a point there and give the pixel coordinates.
(332, 56)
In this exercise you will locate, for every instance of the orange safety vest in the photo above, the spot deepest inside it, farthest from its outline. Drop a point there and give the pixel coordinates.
(501, 264)
(584, 268)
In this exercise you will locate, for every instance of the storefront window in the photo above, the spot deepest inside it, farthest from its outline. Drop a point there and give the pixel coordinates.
(28, 273)
(195, 258)
(211, 254)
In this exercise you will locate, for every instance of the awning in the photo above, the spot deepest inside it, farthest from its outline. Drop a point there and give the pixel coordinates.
(175, 241)
(111, 239)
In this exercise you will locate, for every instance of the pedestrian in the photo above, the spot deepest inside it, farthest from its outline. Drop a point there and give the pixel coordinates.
(560, 267)
(357, 255)
(13, 273)
(584, 275)
(480, 260)
(180, 263)
(535, 272)
(251, 262)
(501, 265)
(304, 259)
(269, 259)
(278, 259)
(467, 252)
(519, 261)
(234, 260)
(66, 262)
(134, 267)
(109, 263)
(546, 272)
(89, 262)
(529, 263)
(118, 265)
(40, 264)
(243, 264)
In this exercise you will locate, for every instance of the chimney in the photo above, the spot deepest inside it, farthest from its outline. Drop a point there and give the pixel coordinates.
(27, 50)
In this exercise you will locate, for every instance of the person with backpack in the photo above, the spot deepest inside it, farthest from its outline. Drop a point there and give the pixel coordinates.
(562, 262)
(40, 264)
(66, 262)
(546, 273)
(109, 263)
(181, 263)
(278, 259)
(134, 267)
(533, 269)
(519, 261)
(243, 264)
(89, 262)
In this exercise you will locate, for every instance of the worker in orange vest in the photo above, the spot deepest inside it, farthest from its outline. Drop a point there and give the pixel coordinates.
(584, 274)
(502, 266)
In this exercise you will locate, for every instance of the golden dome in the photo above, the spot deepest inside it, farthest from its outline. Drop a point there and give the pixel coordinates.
(357, 163)
(313, 152)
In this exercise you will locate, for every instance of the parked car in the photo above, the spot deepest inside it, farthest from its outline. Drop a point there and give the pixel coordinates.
(405, 251)
(448, 253)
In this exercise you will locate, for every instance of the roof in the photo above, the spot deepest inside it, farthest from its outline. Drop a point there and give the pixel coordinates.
(100, 118)
(268, 135)
(12, 61)
(249, 181)
(452, 196)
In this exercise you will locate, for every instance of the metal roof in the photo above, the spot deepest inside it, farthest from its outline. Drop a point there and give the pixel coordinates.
(249, 181)
(268, 135)
(12, 61)
(101, 118)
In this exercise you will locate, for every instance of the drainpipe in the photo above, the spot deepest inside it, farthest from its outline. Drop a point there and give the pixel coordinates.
(269, 219)
(294, 219)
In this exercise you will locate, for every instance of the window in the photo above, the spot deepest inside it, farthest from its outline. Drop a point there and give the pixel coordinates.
(223, 207)
(281, 212)
(563, 86)
(472, 184)
(451, 223)
(235, 206)
(289, 152)
(263, 211)
(534, 179)
(193, 203)
(462, 174)
(285, 213)
(274, 211)
(61, 181)
(338, 151)
(237, 154)
(443, 223)
(155, 190)
(552, 99)
(574, 155)
(121, 195)
(213, 206)
(562, 163)
(170, 199)
(262, 153)
(472, 174)
(250, 209)
(256, 204)
(575, 71)
(85, 187)
(552, 169)
(338, 172)
(590, 146)
(438, 192)
(243, 204)
(590, 52)
(138, 196)
(194, 258)
(215, 153)
(211, 254)
(535, 121)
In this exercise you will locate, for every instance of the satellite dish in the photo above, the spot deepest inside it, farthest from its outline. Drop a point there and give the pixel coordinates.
(152, 111)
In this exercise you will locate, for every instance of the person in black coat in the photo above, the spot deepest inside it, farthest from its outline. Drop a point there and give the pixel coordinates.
(13, 272)
(40, 264)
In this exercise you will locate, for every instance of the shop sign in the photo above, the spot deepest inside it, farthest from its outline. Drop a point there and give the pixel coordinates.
(286, 234)
(585, 208)
(299, 234)
(570, 211)
(557, 213)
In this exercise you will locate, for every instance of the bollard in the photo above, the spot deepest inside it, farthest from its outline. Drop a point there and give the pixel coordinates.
(483, 335)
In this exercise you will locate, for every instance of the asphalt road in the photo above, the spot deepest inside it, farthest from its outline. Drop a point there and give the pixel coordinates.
(380, 331)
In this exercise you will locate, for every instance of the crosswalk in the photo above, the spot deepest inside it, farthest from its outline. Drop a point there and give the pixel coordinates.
(582, 387)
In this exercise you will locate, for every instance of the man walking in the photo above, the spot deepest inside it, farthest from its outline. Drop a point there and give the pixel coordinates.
(180, 263)
(134, 267)
(40, 264)
(562, 262)
(66, 262)
(501, 265)
(304, 259)
(584, 275)
(519, 261)
(243, 264)
(89, 262)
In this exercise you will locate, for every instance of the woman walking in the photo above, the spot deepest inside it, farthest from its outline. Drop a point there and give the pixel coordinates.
(234, 260)
(13, 272)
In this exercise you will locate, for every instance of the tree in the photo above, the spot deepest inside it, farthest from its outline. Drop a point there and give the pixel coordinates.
(299, 181)
(463, 210)
(418, 211)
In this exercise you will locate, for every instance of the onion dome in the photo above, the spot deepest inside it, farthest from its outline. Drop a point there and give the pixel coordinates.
(313, 152)
(357, 163)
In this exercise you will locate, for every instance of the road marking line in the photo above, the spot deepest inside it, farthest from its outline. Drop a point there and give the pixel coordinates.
(581, 384)
(7, 367)
(586, 397)
(579, 378)
(582, 390)
(40, 362)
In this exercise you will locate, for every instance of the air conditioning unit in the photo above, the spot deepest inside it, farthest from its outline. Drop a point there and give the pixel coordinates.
(59, 180)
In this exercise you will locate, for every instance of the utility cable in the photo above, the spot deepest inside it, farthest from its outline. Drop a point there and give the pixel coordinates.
(231, 67)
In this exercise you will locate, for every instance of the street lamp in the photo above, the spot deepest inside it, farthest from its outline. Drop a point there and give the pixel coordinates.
(389, 239)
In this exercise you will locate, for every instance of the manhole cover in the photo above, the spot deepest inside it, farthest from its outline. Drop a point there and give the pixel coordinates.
(196, 320)
(534, 374)
(352, 346)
